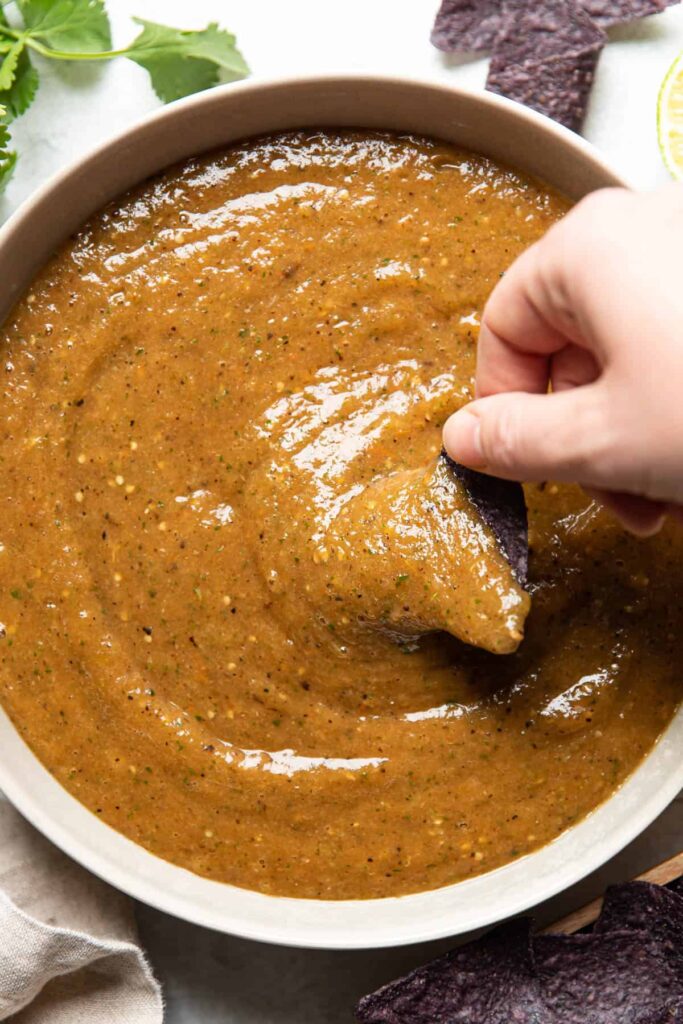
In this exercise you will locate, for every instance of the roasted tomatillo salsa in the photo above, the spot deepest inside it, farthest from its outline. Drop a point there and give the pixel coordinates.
(247, 616)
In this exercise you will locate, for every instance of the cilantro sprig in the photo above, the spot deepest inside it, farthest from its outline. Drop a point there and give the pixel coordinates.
(179, 62)
(7, 157)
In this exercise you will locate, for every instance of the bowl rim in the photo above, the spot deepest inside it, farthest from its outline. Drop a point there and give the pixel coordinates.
(328, 924)
(170, 111)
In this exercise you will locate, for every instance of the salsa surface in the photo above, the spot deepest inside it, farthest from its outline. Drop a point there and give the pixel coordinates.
(192, 392)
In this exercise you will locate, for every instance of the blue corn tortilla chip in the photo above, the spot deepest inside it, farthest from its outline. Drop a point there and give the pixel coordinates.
(502, 507)
(467, 26)
(619, 977)
(474, 26)
(628, 970)
(537, 31)
(619, 12)
(546, 57)
(676, 886)
(644, 907)
(558, 87)
(490, 981)
(544, 52)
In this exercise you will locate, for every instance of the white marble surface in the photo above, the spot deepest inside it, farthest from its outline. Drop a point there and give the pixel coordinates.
(210, 978)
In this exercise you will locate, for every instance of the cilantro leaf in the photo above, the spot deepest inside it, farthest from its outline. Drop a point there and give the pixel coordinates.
(7, 158)
(182, 62)
(8, 68)
(20, 95)
(18, 77)
(179, 62)
(69, 25)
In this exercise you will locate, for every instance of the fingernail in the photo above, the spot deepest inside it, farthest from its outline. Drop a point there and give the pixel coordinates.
(462, 439)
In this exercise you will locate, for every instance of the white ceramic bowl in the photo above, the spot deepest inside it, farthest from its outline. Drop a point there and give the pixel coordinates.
(482, 122)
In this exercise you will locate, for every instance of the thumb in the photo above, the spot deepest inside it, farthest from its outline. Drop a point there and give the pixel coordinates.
(522, 436)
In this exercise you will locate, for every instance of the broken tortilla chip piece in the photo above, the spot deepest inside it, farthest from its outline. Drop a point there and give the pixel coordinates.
(558, 87)
(544, 52)
(546, 58)
(676, 886)
(479, 983)
(642, 906)
(619, 12)
(547, 29)
(628, 970)
(619, 976)
(467, 25)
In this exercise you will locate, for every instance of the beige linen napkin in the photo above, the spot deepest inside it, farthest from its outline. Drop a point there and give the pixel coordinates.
(68, 943)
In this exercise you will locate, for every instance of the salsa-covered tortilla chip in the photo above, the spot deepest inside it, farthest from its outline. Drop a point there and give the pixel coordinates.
(502, 507)
(424, 552)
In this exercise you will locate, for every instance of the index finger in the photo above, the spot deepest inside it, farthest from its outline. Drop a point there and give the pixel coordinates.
(526, 320)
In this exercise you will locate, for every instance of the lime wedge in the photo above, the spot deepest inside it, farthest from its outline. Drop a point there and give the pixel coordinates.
(670, 118)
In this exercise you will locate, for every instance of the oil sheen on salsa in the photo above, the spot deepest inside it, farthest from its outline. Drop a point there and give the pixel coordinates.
(224, 627)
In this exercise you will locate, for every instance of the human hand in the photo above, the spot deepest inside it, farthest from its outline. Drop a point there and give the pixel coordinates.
(595, 310)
